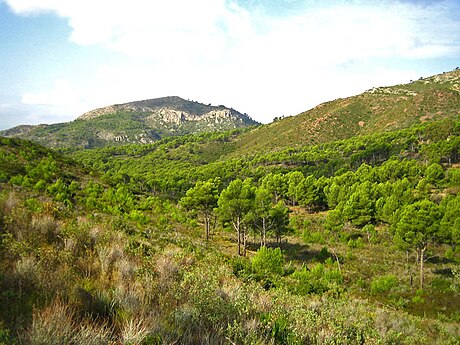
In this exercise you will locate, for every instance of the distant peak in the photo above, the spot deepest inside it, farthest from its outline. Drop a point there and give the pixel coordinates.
(149, 105)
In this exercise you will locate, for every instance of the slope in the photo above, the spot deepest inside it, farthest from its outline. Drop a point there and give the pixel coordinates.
(376, 110)
(91, 262)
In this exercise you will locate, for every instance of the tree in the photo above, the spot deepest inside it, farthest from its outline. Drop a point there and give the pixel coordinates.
(386, 208)
(450, 222)
(332, 192)
(268, 262)
(434, 173)
(294, 179)
(359, 208)
(261, 212)
(276, 184)
(202, 198)
(267, 217)
(334, 221)
(279, 216)
(417, 227)
(307, 191)
(235, 202)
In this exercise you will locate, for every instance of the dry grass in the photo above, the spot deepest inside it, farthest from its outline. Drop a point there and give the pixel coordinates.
(108, 256)
(57, 325)
(46, 227)
(136, 328)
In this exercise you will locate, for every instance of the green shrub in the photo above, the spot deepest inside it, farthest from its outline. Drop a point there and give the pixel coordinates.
(5, 337)
(418, 297)
(313, 237)
(358, 243)
(33, 204)
(383, 284)
(137, 216)
(449, 254)
(40, 186)
(241, 267)
(268, 261)
(323, 255)
(3, 178)
(317, 280)
(16, 180)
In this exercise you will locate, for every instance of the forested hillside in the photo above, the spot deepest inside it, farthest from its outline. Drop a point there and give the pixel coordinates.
(194, 239)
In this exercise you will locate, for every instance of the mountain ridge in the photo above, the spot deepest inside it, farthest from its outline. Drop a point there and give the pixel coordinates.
(143, 122)
(378, 109)
(171, 102)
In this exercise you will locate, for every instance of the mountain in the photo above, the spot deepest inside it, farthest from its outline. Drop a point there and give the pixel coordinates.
(135, 122)
(377, 110)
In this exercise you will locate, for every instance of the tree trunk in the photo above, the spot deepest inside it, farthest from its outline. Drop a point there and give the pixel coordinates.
(243, 240)
(238, 233)
(207, 225)
(422, 262)
(336, 259)
(264, 231)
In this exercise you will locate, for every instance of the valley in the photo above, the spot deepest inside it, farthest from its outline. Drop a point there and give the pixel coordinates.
(340, 225)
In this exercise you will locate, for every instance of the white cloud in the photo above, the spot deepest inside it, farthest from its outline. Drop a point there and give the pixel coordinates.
(141, 27)
(182, 29)
(222, 52)
(62, 93)
(62, 100)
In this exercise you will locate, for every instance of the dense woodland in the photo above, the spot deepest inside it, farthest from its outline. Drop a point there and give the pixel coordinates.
(190, 240)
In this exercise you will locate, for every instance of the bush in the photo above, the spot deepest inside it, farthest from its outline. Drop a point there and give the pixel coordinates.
(358, 243)
(323, 255)
(313, 237)
(383, 284)
(418, 297)
(268, 261)
(241, 267)
(5, 337)
(316, 281)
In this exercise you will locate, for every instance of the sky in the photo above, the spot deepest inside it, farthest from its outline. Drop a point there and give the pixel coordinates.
(266, 58)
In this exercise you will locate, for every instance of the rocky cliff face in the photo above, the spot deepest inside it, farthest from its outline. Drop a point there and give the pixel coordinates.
(176, 118)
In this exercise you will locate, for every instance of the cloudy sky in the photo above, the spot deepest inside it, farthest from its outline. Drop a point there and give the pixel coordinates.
(60, 58)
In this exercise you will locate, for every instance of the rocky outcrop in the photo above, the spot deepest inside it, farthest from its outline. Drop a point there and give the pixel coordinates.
(175, 117)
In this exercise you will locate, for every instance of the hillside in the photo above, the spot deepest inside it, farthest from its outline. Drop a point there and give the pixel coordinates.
(115, 252)
(136, 122)
(376, 110)
(202, 239)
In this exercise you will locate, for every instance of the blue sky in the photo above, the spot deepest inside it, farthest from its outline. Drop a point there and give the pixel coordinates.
(60, 58)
